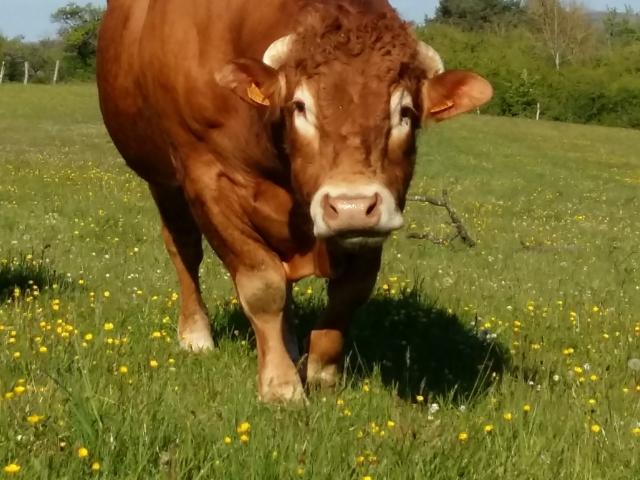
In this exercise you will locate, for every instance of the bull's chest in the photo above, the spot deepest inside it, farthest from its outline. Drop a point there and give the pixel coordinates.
(287, 229)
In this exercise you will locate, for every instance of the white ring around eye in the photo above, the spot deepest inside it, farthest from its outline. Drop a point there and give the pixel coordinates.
(305, 122)
(400, 98)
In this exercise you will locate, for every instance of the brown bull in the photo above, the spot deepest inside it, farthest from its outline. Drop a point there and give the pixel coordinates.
(293, 165)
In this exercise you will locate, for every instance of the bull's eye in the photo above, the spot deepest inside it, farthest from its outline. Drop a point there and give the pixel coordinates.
(299, 107)
(407, 115)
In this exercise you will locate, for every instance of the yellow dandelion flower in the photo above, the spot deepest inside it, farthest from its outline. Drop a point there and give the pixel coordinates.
(11, 468)
(365, 388)
(636, 431)
(463, 436)
(508, 416)
(43, 349)
(88, 337)
(367, 477)
(592, 401)
(244, 427)
(95, 467)
(300, 471)
(156, 334)
(244, 438)
(595, 428)
(227, 440)
(526, 408)
(108, 326)
(391, 423)
(106, 294)
(83, 452)
(153, 363)
(123, 370)
(419, 398)
(19, 390)
(360, 459)
(339, 402)
(35, 419)
(17, 355)
(488, 428)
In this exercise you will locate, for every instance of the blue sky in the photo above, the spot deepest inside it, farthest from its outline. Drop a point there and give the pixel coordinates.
(31, 17)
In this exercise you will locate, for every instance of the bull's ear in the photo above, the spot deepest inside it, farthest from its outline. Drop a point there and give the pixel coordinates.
(453, 92)
(253, 81)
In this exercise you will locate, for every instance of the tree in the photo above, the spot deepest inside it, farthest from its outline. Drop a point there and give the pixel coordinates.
(565, 31)
(79, 30)
(478, 14)
(621, 27)
(41, 56)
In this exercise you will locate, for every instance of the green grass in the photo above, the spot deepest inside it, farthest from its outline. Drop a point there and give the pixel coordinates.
(543, 312)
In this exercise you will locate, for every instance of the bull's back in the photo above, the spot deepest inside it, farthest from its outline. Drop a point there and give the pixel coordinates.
(156, 70)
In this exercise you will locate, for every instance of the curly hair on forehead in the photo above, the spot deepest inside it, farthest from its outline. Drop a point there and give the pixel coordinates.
(343, 30)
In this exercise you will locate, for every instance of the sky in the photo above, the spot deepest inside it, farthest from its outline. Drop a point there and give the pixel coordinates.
(31, 17)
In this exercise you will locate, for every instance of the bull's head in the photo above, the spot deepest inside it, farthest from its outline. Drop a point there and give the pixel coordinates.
(351, 107)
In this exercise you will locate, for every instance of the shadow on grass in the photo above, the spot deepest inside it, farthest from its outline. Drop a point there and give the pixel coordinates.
(26, 271)
(417, 347)
(420, 348)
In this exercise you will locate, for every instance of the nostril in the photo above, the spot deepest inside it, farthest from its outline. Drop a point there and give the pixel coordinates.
(329, 207)
(375, 202)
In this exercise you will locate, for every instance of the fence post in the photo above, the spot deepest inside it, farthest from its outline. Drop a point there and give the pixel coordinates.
(538, 111)
(1, 72)
(55, 72)
(26, 73)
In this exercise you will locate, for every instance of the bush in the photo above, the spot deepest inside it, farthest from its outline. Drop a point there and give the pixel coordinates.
(603, 89)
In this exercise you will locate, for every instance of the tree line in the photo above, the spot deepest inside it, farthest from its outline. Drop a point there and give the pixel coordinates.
(74, 47)
(545, 58)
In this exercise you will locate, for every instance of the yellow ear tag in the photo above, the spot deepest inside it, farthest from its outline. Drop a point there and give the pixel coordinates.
(442, 107)
(254, 93)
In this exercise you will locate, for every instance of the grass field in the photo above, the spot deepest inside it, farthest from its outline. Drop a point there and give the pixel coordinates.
(513, 359)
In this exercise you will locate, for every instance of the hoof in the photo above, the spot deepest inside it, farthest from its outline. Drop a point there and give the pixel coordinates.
(198, 341)
(322, 376)
(283, 392)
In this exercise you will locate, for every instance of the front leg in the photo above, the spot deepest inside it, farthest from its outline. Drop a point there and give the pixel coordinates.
(220, 204)
(345, 294)
(263, 294)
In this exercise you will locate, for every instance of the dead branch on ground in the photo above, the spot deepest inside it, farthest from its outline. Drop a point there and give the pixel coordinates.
(456, 222)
